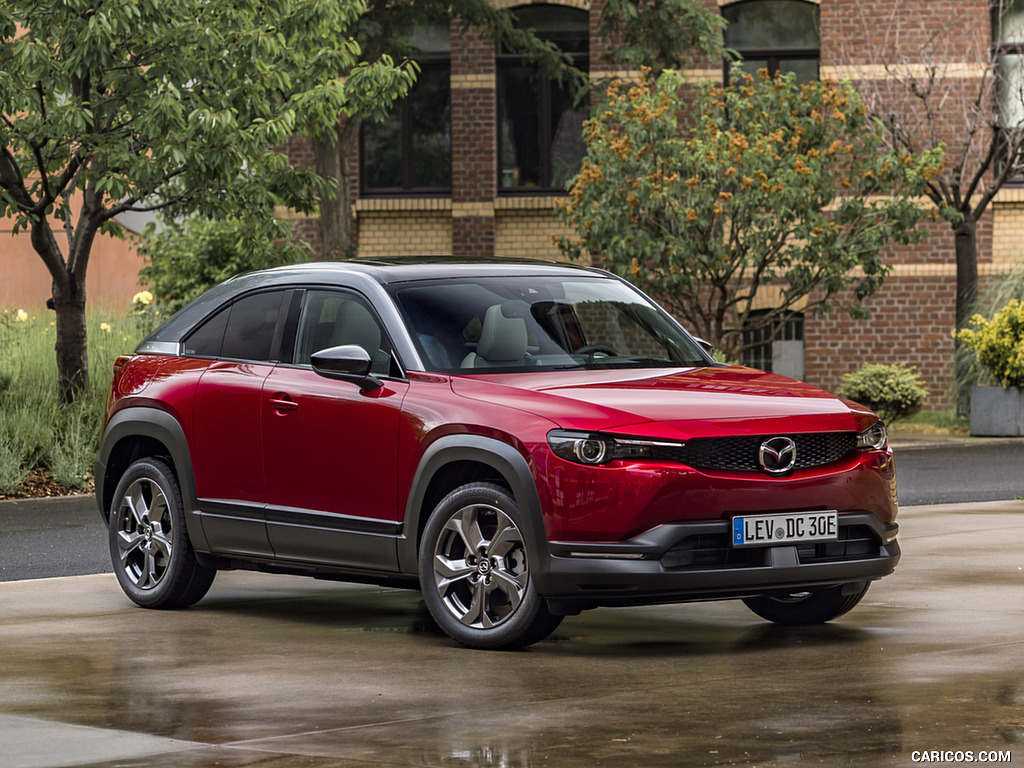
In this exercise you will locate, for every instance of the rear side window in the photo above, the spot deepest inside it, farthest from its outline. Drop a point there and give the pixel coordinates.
(243, 331)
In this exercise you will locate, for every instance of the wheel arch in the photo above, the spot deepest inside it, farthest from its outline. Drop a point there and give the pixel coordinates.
(134, 433)
(454, 461)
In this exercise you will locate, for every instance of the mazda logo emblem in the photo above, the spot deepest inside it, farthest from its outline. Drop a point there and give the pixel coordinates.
(777, 455)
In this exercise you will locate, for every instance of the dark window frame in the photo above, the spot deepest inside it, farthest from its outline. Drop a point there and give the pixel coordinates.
(999, 49)
(508, 61)
(433, 63)
(773, 55)
(789, 327)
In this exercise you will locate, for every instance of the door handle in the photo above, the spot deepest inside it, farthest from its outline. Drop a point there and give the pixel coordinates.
(281, 403)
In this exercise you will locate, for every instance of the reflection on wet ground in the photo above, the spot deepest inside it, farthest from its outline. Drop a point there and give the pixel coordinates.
(271, 671)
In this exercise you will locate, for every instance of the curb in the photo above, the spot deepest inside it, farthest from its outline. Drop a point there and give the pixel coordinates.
(966, 441)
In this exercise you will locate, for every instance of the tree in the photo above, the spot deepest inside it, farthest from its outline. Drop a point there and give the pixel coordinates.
(655, 34)
(770, 186)
(164, 105)
(927, 99)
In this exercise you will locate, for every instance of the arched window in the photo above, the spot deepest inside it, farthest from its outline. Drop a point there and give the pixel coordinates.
(777, 35)
(412, 150)
(540, 129)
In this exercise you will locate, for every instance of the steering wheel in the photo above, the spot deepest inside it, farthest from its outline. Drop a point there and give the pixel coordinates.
(592, 350)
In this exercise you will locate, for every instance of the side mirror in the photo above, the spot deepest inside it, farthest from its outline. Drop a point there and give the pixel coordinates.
(348, 362)
(705, 345)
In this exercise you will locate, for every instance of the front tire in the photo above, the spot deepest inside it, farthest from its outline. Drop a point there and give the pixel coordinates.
(799, 609)
(474, 569)
(149, 547)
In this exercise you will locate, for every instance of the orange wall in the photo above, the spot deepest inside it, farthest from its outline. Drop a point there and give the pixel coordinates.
(111, 281)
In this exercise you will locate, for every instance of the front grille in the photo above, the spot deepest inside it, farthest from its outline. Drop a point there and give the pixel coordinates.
(713, 550)
(740, 454)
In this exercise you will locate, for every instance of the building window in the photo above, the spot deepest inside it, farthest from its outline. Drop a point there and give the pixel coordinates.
(1008, 46)
(777, 35)
(540, 136)
(412, 150)
(776, 347)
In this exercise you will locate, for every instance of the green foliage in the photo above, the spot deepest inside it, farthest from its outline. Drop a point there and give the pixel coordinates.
(660, 34)
(999, 343)
(173, 105)
(773, 185)
(891, 391)
(35, 430)
(966, 371)
(186, 259)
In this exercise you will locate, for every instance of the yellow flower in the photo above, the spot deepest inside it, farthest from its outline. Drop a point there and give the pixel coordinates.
(105, 327)
(22, 316)
(142, 297)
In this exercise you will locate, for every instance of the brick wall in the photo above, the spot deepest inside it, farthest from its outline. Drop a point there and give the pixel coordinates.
(525, 226)
(474, 145)
(911, 320)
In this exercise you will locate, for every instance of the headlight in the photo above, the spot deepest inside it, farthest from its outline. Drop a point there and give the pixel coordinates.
(876, 436)
(594, 448)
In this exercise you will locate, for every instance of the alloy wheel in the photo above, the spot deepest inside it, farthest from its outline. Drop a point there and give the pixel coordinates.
(145, 536)
(480, 566)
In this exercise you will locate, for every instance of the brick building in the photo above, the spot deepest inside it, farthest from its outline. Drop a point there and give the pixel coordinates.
(474, 161)
(479, 169)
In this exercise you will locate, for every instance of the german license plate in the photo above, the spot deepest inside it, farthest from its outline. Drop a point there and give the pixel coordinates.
(784, 528)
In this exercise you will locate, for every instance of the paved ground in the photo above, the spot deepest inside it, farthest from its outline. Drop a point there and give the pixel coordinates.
(42, 538)
(945, 471)
(274, 672)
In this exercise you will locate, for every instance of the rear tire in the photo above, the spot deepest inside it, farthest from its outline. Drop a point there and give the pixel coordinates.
(149, 546)
(805, 608)
(474, 569)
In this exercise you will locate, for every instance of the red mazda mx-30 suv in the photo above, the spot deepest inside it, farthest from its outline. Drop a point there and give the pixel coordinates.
(519, 441)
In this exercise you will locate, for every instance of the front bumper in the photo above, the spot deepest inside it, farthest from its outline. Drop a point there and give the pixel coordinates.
(694, 561)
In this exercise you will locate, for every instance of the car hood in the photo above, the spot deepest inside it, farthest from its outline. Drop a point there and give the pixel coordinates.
(671, 404)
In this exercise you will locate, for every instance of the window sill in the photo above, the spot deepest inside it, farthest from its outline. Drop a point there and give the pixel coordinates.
(377, 204)
(528, 202)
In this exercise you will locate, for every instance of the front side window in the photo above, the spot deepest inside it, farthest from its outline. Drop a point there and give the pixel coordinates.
(412, 150)
(777, 35)
(540, 323)
(337, 318)
(540, 134)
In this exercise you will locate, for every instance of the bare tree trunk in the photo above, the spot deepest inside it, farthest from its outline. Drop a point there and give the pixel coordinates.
(68, 301)
(337, 230)
(966, 237)
(71, 347)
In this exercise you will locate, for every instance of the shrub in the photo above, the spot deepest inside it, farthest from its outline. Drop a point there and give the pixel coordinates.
(186, 259)
(999, 343)
(891, 391)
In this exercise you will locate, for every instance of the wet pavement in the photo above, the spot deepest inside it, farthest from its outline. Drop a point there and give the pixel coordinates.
(275, 672)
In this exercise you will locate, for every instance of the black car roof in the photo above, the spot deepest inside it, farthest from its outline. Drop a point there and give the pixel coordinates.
(405, 269)
(354, 273)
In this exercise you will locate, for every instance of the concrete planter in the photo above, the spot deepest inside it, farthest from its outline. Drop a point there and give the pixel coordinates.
(997, 412)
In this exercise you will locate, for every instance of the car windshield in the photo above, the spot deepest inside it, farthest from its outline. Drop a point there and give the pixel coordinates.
(515, 324)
